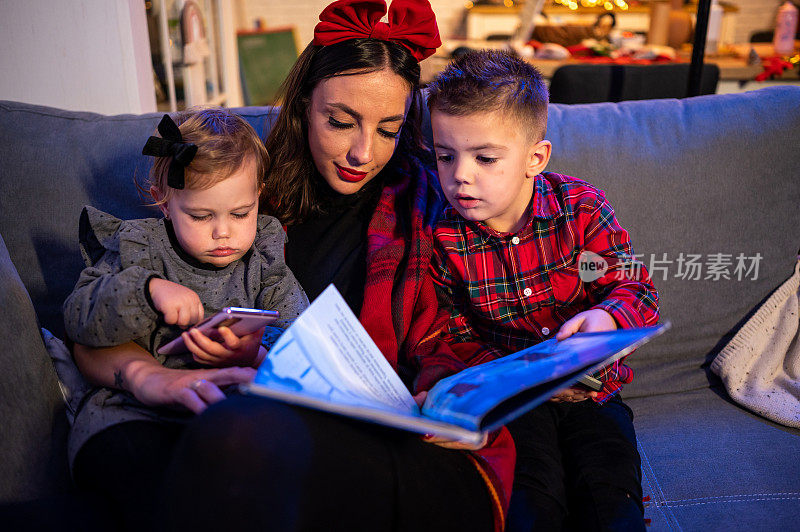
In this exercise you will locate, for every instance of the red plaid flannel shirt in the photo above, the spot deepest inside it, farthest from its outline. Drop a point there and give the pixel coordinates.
(510, 291)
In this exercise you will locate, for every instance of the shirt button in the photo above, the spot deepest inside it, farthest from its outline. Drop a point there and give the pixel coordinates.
(515, 240)
(527, 292)
(545, 331)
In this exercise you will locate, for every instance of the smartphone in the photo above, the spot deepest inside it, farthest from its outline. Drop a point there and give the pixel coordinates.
(591, 383)
(241, 321)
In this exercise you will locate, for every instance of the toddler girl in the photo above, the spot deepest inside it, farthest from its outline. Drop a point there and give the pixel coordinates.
(148, 280)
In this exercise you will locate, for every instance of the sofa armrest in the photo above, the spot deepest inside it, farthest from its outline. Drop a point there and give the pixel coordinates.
(34, 435)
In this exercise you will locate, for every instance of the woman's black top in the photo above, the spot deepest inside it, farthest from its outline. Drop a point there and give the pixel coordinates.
(331, 247)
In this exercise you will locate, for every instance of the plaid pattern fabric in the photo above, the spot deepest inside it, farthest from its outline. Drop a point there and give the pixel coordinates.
(401, 310)
(510, 291)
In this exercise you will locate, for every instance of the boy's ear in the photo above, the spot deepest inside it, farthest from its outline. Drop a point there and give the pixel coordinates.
(538, 157)
(157, 196)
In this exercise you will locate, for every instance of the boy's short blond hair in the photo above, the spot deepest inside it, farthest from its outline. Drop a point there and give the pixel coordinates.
(489, 81)
(224, 143)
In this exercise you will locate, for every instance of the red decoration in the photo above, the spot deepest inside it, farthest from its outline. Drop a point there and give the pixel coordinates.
(773, 66)
(412, 24)
(580, 50)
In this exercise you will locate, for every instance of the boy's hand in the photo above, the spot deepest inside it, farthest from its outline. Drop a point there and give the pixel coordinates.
(246, 351)
(179, 305)
(593, 320)
(420, 398)
(573, 394)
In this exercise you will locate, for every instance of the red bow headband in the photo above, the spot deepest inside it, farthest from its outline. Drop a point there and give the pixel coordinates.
(411, 24)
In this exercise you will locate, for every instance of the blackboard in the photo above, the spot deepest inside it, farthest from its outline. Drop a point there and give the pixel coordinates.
(265, 58)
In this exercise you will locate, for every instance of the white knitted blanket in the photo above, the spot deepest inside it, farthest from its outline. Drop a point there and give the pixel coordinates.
(761, 365)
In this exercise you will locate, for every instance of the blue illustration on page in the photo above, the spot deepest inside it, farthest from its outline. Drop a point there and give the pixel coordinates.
(464, 399)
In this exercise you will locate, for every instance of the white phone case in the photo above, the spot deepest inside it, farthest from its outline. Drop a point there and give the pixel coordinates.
(240, 321)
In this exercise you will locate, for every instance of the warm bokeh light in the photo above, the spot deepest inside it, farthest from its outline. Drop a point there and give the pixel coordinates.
(606, 4)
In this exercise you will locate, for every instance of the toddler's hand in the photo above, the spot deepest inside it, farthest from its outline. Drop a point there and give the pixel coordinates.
(179, 305)
(246, 351)
(573, 395)
(593, 320)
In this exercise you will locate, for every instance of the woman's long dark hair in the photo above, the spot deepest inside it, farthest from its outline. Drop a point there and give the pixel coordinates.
(290, 193)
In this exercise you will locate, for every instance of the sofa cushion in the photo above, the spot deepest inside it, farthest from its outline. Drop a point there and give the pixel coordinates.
(760, 367)
(713, 176)
(71, 381)
(54, 163)
(709, 465)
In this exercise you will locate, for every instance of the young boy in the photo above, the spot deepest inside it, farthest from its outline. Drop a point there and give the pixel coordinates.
(507, 261)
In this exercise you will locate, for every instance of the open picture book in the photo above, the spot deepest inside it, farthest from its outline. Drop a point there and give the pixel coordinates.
(326, 360)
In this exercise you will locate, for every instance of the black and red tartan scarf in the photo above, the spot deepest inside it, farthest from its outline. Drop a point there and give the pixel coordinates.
(401, 311)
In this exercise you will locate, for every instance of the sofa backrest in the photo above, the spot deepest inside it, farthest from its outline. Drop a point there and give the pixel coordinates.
(703, 179)
(714, 176)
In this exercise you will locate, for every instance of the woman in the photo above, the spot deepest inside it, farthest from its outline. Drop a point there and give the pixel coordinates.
(349, 180)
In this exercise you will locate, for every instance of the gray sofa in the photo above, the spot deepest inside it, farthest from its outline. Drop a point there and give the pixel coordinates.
(703, 176)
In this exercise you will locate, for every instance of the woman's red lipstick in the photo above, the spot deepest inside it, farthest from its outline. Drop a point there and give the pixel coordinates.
(350, 175)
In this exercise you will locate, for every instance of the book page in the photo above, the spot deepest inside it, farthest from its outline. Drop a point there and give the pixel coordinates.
(327, 353)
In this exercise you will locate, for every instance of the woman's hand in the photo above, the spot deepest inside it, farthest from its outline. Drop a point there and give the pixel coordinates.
(573, 394)
(179, 305)
(593, 320)
(454, 444)
(129, 367)
(232, 351)
(194, 390)
(444, 442)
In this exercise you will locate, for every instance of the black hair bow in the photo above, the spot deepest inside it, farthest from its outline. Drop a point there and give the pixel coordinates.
(170, 144)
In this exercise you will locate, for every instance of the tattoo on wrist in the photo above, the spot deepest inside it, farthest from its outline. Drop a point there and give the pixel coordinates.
(119, 382)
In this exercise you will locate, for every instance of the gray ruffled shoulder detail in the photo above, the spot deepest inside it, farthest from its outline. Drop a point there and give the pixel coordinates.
(97, 233)
(100, 232)
(270, 239)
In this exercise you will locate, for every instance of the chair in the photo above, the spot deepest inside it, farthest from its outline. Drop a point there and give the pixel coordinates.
(762, 36)
(768, 35)
(615, 83)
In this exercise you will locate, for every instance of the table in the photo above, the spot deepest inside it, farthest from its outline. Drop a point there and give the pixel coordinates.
(735, 74)
(484, 20)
